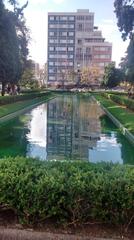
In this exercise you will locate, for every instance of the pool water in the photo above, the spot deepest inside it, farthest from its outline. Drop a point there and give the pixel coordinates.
(71, 127)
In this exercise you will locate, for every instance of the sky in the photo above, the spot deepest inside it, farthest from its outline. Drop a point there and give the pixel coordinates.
(105, 19)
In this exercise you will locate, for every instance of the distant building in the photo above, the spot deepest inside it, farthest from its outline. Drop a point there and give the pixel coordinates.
(36, 70)
(73, 43)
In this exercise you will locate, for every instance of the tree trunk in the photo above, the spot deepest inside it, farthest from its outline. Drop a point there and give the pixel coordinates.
(13, 91)
(3, 89)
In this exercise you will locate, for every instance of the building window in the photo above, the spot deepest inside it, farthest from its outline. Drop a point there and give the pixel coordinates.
(51, 48)
(51, 56)
(63, 25)
(52, 25)
(61, 48)
(51, 78)
(51, 63)
(63, 41)
(70, 49)
(51, 70)
(102, 56)
(88, 50)
(63, 18)
(51, 33)
(71, 26)
(71, 34)
(80, 27)
(71, 18)
(53, 40)
(81, 18)
(51, 18)
(101, 48)
(70, 56)
(70, 64)
(79, 41)
(70, 41)
(64, 34)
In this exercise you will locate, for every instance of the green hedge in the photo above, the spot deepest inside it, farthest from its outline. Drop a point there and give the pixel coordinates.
(11, 99)
(67, 191)
(122, 100)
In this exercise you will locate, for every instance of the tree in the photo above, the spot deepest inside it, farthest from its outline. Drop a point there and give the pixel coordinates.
(13, 44)
(130, 66)
(112, 76)
(90, 75)
(127, 63)
(28, 80)
(28, 77)
(124, 10)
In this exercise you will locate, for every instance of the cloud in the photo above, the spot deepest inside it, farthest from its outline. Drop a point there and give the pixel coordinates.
(58, 1)
(36, 2)
(37, 23)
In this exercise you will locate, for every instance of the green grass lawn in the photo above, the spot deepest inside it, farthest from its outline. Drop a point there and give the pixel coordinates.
(125, 116)
(13, 107)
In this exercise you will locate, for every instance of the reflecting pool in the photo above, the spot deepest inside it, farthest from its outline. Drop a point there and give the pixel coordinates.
(68, 127)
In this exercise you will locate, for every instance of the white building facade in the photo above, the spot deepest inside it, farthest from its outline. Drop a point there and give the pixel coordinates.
(74, 43)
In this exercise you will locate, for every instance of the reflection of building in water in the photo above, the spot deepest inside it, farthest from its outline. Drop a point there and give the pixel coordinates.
(59, 129)
(87, 127)
(72, 130)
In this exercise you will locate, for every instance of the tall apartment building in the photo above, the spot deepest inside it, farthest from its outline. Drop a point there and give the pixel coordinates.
(74, 43)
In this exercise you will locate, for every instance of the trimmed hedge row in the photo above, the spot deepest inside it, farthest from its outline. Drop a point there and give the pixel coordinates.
(75, 192)
(129, 103)
(15, 98)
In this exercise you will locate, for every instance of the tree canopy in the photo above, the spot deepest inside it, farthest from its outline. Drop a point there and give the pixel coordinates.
(124, 10)
(13, 43)
(112, 76)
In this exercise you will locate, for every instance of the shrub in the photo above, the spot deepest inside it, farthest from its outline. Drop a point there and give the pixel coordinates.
(15, 98)
(67, 191)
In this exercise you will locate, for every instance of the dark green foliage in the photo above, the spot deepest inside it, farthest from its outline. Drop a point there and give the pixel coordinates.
(28, 79)
(67, 191)
(112, 76)
(130, 62)
(124, 10)
(13, 44)
(26, 96)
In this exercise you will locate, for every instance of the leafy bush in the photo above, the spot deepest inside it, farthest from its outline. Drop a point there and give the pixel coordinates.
(67, 191)
(15, 98)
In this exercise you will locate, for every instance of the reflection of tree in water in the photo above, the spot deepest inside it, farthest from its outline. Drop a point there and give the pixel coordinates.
(107, 125)
(127, 150)
(13, 140)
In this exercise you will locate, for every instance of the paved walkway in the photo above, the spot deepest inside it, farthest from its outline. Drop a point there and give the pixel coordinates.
(14, 234)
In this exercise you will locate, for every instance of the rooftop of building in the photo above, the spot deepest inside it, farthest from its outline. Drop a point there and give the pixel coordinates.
(78, 12)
